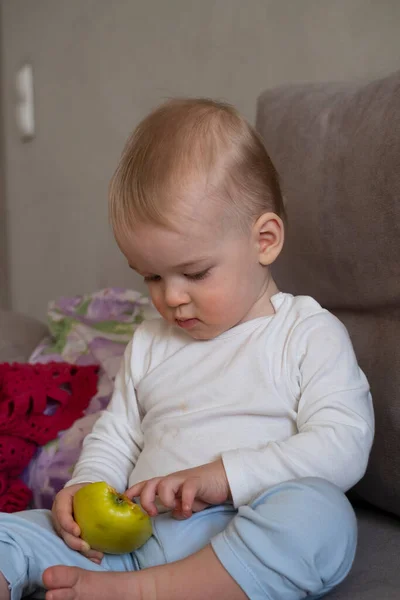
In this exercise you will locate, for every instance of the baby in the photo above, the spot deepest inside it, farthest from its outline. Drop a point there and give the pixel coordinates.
(239, 418)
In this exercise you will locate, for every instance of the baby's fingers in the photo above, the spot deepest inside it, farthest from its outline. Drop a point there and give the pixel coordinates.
(75, 543)
(188, 494)
(135, 490)
(62, 517)
(167, 491)
(94, 556)
(68, 524)
(61, 531)
(83, 547)
(148, 496)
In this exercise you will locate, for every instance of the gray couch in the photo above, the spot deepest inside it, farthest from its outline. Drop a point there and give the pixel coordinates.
(337, 150)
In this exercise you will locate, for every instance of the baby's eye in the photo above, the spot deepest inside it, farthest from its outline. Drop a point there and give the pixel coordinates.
(198, 276)
(151, 278)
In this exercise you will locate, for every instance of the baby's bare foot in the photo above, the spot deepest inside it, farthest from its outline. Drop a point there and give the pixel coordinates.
(72, 583)
(4, 591)
(196, 577)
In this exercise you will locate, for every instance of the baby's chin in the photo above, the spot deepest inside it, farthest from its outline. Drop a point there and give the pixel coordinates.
(202, 337)
(206, 335)
(200, 331)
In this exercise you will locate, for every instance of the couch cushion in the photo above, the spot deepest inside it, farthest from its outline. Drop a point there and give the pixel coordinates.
(336, 148)
(375, 574)
(376, 342)
(18, 336)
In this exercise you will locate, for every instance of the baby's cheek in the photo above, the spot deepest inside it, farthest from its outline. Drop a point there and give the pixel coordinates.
(217, 303)
(158, 302)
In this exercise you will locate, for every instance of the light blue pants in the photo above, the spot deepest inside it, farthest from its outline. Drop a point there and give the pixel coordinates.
(297, 540)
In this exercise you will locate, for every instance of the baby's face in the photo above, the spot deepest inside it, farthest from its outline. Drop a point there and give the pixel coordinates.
(200, 278)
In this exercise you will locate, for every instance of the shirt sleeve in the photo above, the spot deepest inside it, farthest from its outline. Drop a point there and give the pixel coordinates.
(111, 450)
(335, 421)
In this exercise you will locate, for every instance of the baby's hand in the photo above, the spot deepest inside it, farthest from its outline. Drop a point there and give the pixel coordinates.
(184, 492)
(66, 527)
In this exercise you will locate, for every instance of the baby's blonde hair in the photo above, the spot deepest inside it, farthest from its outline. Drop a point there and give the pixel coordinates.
(186, 142)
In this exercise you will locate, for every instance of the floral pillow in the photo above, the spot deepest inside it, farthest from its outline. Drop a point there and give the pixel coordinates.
(85, 330)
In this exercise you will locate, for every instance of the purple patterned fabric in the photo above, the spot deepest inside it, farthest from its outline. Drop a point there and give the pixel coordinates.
(90, 329)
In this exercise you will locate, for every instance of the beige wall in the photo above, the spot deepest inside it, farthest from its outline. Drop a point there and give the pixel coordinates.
(100, 65)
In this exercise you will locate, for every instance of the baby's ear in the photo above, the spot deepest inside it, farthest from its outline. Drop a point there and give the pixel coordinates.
(269, 233)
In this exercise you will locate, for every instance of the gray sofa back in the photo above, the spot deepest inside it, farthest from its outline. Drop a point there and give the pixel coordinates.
(336, 148)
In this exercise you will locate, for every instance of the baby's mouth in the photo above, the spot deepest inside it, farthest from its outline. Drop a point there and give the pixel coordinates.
(187, 323)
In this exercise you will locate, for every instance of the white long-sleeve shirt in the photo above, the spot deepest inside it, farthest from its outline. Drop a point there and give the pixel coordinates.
(277, 397)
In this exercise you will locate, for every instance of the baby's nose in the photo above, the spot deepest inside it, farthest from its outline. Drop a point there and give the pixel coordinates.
(176, 295)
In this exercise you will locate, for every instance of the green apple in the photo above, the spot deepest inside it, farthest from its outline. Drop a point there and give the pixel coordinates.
(109, 521)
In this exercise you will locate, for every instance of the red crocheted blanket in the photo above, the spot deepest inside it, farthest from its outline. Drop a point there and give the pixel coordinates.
(36, 403)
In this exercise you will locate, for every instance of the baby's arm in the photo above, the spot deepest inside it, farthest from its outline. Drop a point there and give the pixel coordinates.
(334, 418)
(109, 454)
(111, 450)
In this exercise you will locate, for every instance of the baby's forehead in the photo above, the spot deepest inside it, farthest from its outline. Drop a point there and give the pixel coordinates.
(158, 250)
(191, 237)
(206, 207)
